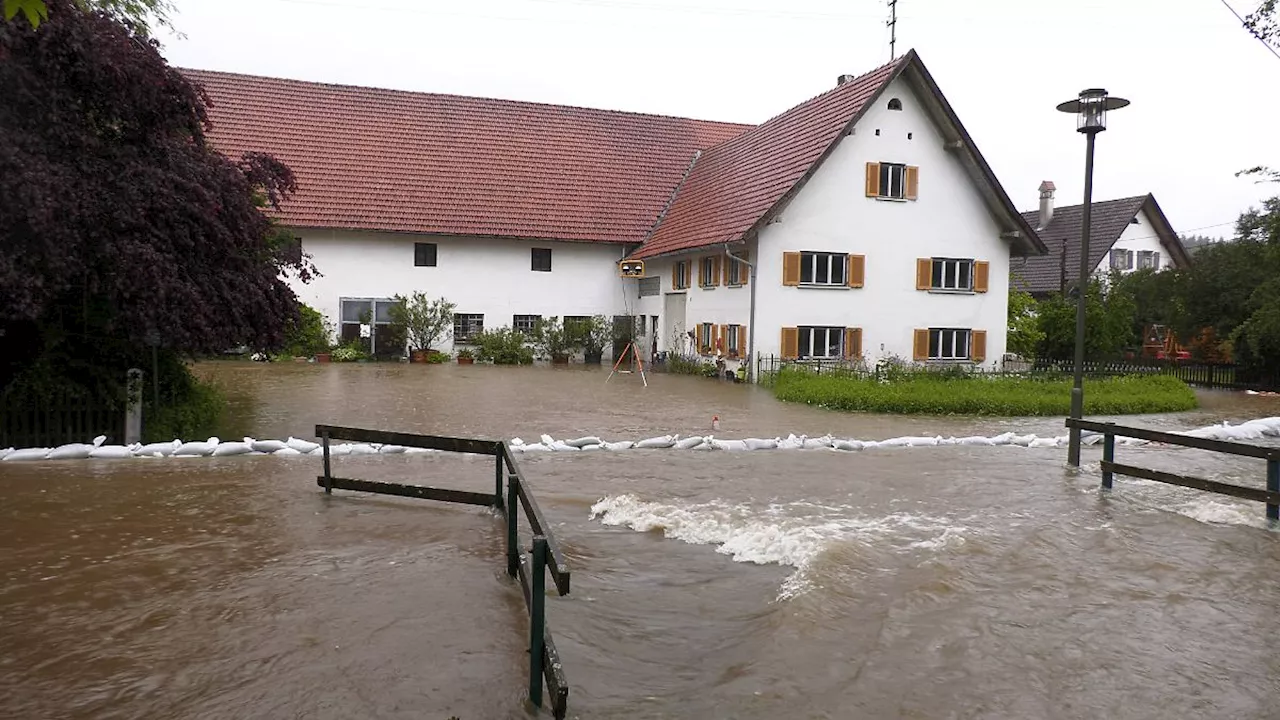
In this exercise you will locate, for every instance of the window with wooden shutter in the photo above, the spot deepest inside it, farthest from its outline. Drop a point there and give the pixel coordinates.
(978, 345)
(913, 182)
(790, 268)
(873, 179)
(924, 273)
(857, 270)
(790, 343)
(675, 276)
(852, 343)
(981, 275)
(920, 347)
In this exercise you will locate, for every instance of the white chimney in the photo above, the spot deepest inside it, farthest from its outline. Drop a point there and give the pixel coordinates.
(1046, 203)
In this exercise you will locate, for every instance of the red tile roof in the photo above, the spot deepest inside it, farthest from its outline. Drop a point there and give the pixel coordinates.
(414, 162)
(733, 185)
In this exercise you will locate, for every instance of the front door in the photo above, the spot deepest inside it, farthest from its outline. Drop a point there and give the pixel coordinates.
(674, 340)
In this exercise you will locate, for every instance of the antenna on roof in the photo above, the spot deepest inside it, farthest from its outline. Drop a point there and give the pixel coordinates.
(893, 30)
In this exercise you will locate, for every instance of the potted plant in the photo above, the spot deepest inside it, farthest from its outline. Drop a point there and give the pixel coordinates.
(592, 336)
(552, 340)
(466, 357)
(424, 321)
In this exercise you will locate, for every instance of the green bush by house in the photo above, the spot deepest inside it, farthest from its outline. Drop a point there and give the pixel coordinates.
(935, 394)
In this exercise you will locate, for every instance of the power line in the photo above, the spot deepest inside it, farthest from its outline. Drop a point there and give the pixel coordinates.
(1245, 24)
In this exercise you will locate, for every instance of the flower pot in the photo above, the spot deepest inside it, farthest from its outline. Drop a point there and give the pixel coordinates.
(559, 359)
(418, 356)
(466, 361)
(322, 357)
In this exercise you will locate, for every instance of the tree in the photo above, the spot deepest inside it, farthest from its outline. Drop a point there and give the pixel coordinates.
(423, 320)
(124, 229)
(133, 12)
(1262, 22)
(1108, 323)
(1025, 334)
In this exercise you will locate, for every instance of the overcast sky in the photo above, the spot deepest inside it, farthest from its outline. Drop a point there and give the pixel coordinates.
(1203, 90)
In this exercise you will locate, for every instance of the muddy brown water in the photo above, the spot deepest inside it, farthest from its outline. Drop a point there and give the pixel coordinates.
(937, 582)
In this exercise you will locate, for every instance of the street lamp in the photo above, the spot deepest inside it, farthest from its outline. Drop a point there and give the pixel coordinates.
(1091, 111)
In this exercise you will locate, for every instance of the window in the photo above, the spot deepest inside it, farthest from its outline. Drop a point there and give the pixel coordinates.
(680, 275)
(375, 314)
(893, 180)
(650, 287)
(738, 272)
(467, 326)
(541, 259)
(951, 274)
(1149, 259)
(424, 254)
(820, 342)
(818, 268)
(948, 344)
(1121, 259)
(706, 338)
(525, 323)
(731, 337)
(895, 104)
(709, 271)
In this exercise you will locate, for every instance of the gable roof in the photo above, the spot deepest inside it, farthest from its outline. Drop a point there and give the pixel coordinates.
(1108, 221)
(736, 187)
(397, 161)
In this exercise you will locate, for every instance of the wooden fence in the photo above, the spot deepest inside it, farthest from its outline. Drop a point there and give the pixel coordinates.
(63, 420)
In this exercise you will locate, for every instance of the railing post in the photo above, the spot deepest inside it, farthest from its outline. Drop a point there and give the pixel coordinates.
(1273, 485)
(513, 525)
(1108, 455)
(537, 621)
(328, 476)
(497, 481)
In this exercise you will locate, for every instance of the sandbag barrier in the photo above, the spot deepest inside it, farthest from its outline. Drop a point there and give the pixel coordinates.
(213, 447)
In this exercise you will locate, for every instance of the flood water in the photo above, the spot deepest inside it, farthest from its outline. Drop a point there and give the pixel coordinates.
(935, 582)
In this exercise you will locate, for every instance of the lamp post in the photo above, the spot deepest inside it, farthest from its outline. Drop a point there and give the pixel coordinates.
(1090, 109)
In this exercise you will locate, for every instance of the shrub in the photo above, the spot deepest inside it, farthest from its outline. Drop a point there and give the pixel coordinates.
(976, 394)
(424, 321)
(348, 353)
(503, 346)
(682, 365)
(309, 335)
(191, 413)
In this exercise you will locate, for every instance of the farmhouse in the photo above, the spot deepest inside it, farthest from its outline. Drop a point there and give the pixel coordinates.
(860, 223)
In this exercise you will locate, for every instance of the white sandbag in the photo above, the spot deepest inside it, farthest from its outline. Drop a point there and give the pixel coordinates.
(515, 442)
(231, 448)
(620, 445)
(761, 443)
(160, 449)
(197, 449)
(336, 450)
(1242, 432)
(818, 442)
(1002, 439)
(895, 442)
(1088, 438)
(111, 452)
(27, 454)
(848, 445)
(270, 446)
(1044, 443)
(868, 444)
(391, 450)
(948, 440)
(923, 441)
(559, 446)
(4, 452)
(653, 443)
(1023, 440)
(363, 449)
(302, 446)
(1266, 428)
(976, 440)
(286, 451)
(584, 441)
(585, 448)
(690, 443)
(791, 442)
(1133, 441)
(99, 440)
(536, 447)
(734, 445)
(548, 440)
(71, 451)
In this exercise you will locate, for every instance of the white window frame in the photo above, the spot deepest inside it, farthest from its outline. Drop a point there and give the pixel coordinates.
(522, 323)
(706, 337)
(944, 344)
(736, 270)
(953, 271)
(682, 274)
(706, 272)
(832, 263)
(806, 350)
(893, 181)
(731, 333)
(462, 320)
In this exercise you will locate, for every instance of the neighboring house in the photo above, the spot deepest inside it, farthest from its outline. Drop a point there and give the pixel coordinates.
(875, 225)
(1126, 235)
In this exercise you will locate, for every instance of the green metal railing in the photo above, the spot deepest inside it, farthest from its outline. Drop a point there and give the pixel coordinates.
(1110, 468)
(530, 569)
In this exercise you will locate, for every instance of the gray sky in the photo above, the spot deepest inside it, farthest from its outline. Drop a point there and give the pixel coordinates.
(1203, 89)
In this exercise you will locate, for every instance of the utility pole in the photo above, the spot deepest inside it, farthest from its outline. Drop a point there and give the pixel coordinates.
(893, 30)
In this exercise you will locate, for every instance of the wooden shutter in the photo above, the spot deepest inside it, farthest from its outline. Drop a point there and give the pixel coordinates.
(924, 273)
(873, 179)
(920, 348)
(978, 345)
(790, 268)
(744, 272)
(715, 271)
(723, 339)
(981, 275)
(742, 341)
(913, 182)
(852, 343)
(725, 274)
(857, 270)
(790, 343)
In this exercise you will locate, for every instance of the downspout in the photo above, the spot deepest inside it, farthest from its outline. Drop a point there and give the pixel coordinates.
(751, 315)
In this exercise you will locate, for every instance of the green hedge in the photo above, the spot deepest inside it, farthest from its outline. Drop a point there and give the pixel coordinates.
(984, 395)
